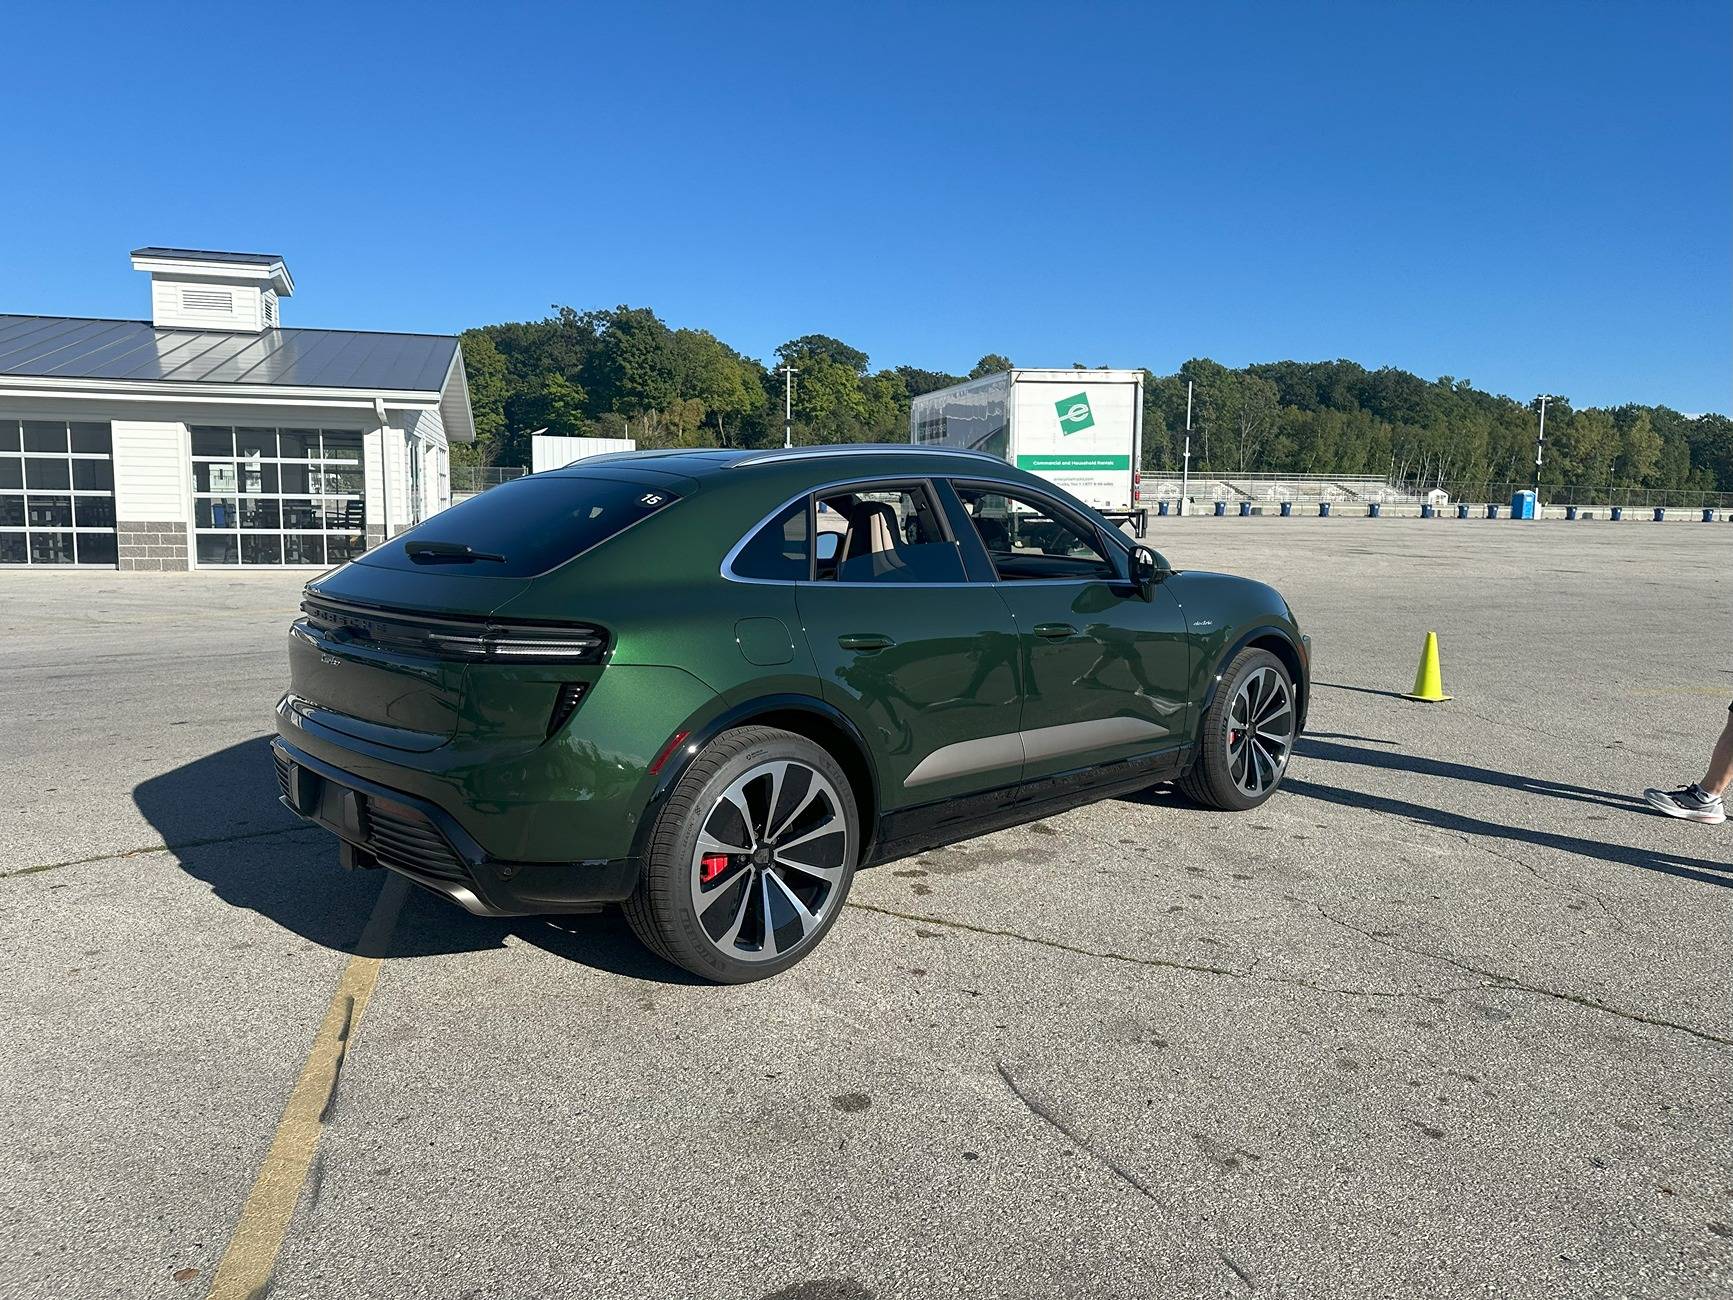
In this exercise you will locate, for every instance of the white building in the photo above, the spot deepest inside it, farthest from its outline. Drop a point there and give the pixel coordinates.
(210, 436)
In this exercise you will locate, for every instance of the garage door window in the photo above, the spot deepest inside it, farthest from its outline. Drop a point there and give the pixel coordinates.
(277, 495)
(56, 492)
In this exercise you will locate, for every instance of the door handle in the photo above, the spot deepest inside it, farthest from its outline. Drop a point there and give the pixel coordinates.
(866, 642)
(1055, 631)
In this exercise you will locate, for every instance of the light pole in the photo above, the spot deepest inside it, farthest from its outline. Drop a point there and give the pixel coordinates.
(1185, 461)
(788, 374)
(1539, 444)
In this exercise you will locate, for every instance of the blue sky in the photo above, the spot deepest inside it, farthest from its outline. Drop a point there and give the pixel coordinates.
(1535, 197)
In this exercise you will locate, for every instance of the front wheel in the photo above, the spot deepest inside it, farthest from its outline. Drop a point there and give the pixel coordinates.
(751, 859)
(1247, 735)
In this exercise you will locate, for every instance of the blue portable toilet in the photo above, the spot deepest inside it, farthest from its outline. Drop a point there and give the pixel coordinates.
(1522, 504)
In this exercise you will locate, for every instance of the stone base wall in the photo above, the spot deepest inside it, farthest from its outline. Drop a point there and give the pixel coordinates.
(153, 544)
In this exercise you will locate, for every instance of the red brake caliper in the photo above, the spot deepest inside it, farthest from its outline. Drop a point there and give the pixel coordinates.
(710, 866)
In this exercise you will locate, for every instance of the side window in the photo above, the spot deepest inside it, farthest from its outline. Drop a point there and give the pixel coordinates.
(884, 534)
(778, 551)
(1028, 540)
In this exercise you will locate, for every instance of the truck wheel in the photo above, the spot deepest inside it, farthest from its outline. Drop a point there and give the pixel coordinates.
(1246, 737)
(751, 858)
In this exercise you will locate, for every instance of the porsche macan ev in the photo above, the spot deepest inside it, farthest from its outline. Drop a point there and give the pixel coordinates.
(711, 685)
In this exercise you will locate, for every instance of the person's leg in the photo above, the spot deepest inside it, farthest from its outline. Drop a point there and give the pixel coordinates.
(1701, 802)
(1720, 774)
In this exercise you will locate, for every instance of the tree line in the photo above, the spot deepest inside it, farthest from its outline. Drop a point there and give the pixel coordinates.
(626, 373)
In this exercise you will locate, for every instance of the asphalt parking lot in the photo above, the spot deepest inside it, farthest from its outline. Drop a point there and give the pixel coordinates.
(1450, 1016)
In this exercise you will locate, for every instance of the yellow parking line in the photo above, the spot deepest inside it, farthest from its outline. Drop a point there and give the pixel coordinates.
(247, 1264)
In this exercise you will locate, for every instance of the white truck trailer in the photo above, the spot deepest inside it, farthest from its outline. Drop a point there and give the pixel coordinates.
(1082, 430)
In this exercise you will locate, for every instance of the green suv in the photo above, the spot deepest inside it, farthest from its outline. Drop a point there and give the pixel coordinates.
(711, 685)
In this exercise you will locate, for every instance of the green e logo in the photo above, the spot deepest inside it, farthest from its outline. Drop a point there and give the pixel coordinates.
(1074, 414)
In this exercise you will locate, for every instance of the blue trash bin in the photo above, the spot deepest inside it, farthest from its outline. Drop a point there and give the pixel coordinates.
(1287, 509)
(1523, 504)
(1427, 512)
(1708, 514)
(1323, 509)
(1570, 512)
(1462, 509)
(1221, 507)
(1374, 510)
(1245, 509)
(1492, 512)
(1660, 514)
(1618, 513)
(1161, 507)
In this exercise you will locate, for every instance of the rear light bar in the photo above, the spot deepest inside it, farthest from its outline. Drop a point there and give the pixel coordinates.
(479, 642)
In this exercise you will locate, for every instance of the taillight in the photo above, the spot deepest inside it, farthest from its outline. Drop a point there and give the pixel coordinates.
(1137, 485)
(481, 642)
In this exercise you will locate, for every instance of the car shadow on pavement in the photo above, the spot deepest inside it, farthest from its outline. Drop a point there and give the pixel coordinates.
(220, 818)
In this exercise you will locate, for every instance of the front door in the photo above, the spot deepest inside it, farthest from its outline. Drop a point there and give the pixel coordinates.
(924, 663)
(1105, 672)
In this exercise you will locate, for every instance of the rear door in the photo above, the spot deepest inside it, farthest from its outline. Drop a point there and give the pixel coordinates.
(1079, 435)
(1106, 673)
(923, 662)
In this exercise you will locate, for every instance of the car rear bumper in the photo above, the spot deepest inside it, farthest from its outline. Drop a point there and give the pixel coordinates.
(384, 827)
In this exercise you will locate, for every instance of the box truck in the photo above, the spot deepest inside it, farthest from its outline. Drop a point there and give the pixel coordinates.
(1080, 429)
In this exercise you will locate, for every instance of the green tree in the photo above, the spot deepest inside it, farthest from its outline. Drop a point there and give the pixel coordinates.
(991, 364)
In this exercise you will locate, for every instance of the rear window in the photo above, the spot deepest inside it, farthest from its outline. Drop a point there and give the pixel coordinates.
(524, 527)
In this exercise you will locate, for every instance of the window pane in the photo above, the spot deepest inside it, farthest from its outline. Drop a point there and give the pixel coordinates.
(51, 548)
(41, 472)
(92, 437)
(222, 548)
(45, 435)
(298, 444)
(295, 478)
(213, 440)
(93, 512)
(256, 477)
(13, 549)
(9, 435)
(343, 444)
(342, 480)
(214, 476)
(93, 475)
(261, 548)
(96, 548)
(889, 535)
(304, 548)
(1027, 541)
(344, 547)
(250, 444)
(257, 513)
(301, 514)
(348, 516)
(214, 512)
(777, 551)
(11, 472)
(11, 512)
(50, 512)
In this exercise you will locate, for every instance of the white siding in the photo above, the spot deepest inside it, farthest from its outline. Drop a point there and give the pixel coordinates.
(150, 471)
(551, 451)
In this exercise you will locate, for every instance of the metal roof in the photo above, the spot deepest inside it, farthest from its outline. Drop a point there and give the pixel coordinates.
(63, 347)
(207, 255)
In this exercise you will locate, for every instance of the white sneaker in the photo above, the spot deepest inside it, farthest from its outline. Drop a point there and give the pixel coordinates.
(1689, 803)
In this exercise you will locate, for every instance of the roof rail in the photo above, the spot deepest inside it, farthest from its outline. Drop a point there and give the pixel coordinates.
(864, 449)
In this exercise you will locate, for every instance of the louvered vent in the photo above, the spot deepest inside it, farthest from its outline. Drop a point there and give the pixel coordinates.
(208, 300)
(270, 310)
(565, 704)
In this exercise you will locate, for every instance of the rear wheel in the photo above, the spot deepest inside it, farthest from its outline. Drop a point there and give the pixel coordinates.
(1247, 735)
(751, 859)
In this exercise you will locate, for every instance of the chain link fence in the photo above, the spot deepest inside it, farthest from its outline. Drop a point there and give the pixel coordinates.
(467, 480)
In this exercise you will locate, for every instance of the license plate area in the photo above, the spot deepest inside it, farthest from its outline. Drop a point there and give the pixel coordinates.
(335, 807)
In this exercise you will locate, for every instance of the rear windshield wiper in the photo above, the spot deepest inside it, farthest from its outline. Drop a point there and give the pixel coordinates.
(458, 551)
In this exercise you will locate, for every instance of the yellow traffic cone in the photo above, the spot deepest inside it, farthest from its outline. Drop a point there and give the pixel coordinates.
(1429, 681)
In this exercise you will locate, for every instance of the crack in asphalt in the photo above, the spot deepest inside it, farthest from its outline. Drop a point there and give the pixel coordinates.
(151, 848)
(1043, 1113)
(1502, 980)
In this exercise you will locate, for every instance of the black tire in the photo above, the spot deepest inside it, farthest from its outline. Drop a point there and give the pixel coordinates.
(664, 911)
(1216, 778)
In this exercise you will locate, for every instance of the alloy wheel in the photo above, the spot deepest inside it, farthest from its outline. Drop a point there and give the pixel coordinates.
(769, 859)
(1260, 731)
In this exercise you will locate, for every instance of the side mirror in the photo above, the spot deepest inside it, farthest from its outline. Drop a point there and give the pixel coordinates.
(1148, 568)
